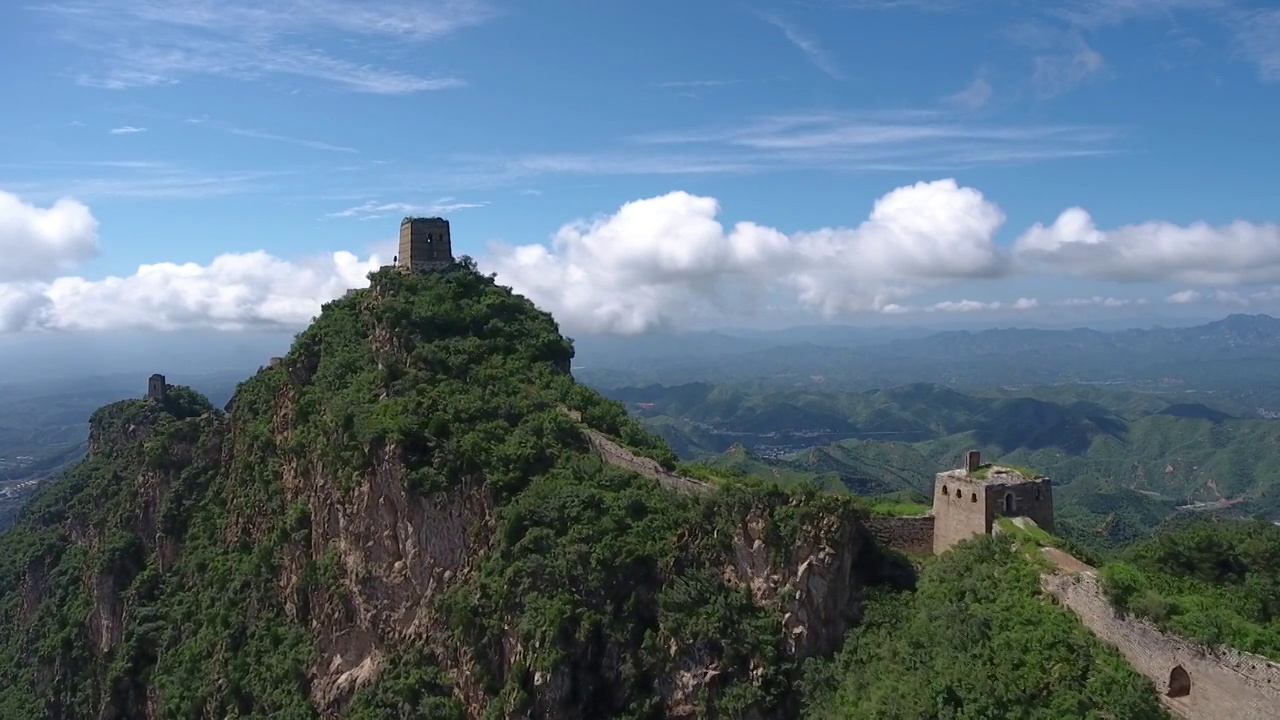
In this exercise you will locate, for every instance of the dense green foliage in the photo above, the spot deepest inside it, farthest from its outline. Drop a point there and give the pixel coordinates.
(1215, 582)
(591, 561)
(193, 529)
(1121, 462)
(451, 373)
(140, 446)
(975, 641)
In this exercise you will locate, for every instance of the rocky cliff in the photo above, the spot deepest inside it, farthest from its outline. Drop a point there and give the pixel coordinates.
(400, 519)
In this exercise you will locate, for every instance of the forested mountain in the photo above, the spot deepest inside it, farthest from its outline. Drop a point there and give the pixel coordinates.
(404, 518)
(1230, 363)
(1122, 461)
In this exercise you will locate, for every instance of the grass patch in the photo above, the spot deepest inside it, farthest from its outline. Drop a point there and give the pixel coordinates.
(894, 509)
(1032, 533)
(985, 469)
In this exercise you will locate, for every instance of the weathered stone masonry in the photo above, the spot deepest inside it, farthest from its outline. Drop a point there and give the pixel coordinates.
(425, 244)
(913, 535)
(967, 502)
(615, 454)
(1199, 683)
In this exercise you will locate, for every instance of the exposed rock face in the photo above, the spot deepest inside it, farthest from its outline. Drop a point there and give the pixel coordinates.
(273, 527)
(813, 583)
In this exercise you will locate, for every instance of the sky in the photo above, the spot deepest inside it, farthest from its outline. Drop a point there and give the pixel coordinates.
(195, 165)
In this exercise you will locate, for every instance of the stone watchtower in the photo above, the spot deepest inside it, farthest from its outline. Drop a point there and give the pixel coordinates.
(424, 244)
(967, 501)
(157, 389)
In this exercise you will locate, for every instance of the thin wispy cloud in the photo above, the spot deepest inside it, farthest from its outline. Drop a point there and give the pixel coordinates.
(1094, 14)
(1258, 34)
(141, 44)
(926, 5)
(373, 209)
(1059, 73)
(807, 44)
(146, 180)
(925, 140)
(270, 136)
(975, 95)
(906, 141)
(695, 84)
(126, 130)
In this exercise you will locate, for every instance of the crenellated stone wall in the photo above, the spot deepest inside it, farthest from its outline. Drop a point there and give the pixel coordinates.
(615, 454)
(912, 535)
(1199, 683)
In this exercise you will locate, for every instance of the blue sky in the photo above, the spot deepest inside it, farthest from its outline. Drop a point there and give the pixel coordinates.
(244, 143)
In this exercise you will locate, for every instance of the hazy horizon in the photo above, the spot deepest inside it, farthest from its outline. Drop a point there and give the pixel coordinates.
(36, 356)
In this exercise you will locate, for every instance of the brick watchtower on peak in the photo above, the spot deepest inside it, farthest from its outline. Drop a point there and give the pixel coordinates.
(424, 244)
(157, 389)
(967, 501)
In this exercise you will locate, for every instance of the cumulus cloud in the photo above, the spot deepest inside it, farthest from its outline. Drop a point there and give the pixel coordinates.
(978, 305)
(641, 267)
(1225, 297)
(233, 291)
(1186, 297)
(37, 243)
(1198, 254)
(1100, 301)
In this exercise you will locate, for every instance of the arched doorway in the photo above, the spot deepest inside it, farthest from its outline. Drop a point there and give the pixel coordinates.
(1008, 503)
(1179, 682)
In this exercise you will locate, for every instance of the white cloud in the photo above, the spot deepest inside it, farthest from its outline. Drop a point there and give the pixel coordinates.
(978, 305)
(808, 45)
(1258, 39)
(920, 138)
(1100, 301)
(695, 84)
(150, 180)
(1185, 297)
(1061, 72)
(273, 137)
(234, 291)
(975, 95)
(37, 243)
(147, 44)
(1199, 254)
(373, 209)
(1225, 297)
(643, 266)
(126, 130)
(655, 262)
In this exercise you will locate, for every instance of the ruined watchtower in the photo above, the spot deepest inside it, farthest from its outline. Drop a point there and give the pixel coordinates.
(967, 501)
(157, 389)
(424, 244)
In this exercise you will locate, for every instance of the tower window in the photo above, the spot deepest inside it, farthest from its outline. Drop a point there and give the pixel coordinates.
(1008, 503)
(973, 497)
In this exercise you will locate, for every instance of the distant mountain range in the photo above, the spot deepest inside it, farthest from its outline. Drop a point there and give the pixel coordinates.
(1232, 364)
(1122, 460)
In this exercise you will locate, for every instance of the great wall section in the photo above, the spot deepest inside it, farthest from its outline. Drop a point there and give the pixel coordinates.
(1195, 682)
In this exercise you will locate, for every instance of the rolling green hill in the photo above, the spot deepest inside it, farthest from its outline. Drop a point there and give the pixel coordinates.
(1121, 460)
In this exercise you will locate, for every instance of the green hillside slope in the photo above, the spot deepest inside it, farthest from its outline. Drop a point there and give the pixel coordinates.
(1122, 461)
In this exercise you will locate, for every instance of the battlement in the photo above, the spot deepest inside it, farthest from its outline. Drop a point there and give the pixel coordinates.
(425, 244)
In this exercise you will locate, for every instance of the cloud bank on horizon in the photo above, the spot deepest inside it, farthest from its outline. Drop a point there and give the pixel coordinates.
(652, 263)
